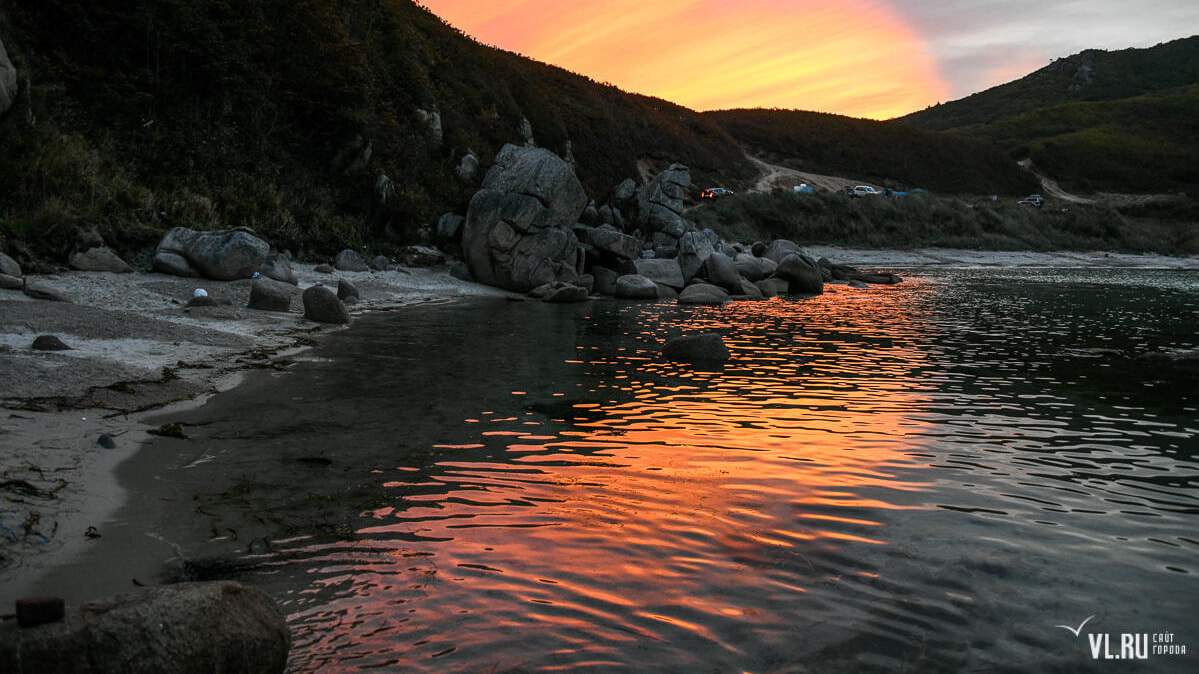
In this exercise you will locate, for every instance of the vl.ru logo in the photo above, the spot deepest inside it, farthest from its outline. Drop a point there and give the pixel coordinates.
(1129, 645)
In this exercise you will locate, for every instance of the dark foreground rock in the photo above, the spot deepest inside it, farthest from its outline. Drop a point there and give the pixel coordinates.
(802, 274)
(322, 305)
(267, 294)
(703, 293)
(194, 627)
(707, 347)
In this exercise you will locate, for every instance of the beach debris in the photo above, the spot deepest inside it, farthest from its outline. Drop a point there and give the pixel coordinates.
(199, 292)
(107, 441)
(92, 533)
(25, 488)
(33, 611)
(171, 430)
(49, 343)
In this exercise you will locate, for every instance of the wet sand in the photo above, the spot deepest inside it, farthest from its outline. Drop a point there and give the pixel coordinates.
(136, 350)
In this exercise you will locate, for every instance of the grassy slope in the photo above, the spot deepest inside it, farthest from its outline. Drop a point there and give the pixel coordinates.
(1120, 121)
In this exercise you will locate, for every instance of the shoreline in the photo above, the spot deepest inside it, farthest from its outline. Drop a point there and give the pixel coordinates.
(128, 331)
(136, 351)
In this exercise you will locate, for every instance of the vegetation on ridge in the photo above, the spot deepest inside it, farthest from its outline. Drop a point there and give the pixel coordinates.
(332, 123)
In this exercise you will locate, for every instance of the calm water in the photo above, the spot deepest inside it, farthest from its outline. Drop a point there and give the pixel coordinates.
(927, 477)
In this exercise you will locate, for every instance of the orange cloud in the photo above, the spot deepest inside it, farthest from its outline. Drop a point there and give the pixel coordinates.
(856, 58)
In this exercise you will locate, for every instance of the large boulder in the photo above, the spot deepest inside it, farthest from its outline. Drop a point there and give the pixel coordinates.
(704, 347)
(663, 271)
(779, 249)
(754, 268)
(322, 305)
(8, 81)
(802, 274)
(101, 258)
(773, 287)
(703, 293)
(636, 287)
(191, 628)
(609, 242)
(9, 266)
(721, 271)
(277, 267)
(350, 260)
(518, 231)
(267, 294)
(660, 203)
(224, 255)
(604, 280)
(694, 249)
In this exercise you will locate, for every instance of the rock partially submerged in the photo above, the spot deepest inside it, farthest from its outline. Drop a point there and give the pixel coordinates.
(189, 628)
(706, 347)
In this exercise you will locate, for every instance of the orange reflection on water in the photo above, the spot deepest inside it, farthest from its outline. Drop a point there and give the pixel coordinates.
(666, 499)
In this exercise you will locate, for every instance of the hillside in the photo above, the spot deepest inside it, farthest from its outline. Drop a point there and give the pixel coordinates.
(1092, 75)
(326, 124)
(285, 115)
(883, 153)
(1119, 122)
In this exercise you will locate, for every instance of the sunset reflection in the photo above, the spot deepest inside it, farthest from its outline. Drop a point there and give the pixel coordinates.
(659, 478)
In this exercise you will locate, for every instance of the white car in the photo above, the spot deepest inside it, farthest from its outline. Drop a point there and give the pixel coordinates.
(862, 190)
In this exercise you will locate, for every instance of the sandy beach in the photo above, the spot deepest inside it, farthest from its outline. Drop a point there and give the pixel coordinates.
(72, 416)
(135, 349)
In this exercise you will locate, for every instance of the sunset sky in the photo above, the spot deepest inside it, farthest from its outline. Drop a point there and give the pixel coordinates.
(864, 58)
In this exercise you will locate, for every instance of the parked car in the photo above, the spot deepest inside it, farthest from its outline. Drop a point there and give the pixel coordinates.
(1034, 200)
(715, 193)
(861, 191)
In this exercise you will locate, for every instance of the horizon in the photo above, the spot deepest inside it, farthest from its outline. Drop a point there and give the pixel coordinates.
(888, 60)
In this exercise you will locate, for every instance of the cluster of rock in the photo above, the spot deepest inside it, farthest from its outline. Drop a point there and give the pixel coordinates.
(530, 229)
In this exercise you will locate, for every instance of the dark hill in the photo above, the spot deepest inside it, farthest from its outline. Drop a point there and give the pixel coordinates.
(284, 114)
(1122, 122)
(884, 153)
(1092, 75)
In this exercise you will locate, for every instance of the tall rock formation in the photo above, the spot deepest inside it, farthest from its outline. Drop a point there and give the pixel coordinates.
(518, 232)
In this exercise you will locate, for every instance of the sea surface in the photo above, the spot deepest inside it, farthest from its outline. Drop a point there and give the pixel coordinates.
(946, 475)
